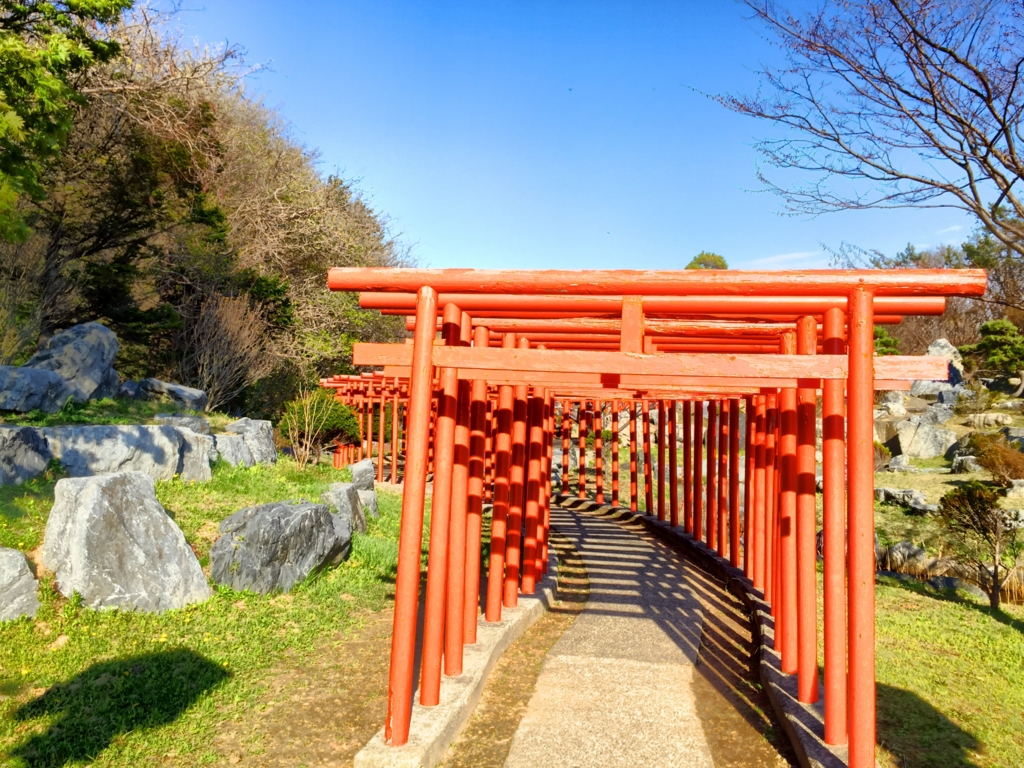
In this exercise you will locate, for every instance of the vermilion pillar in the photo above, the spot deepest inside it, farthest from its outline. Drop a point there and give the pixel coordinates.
(723, 478)
(771, 505)
(761, 531)
(698, 486)
(860, 463)
(734, 482)
(787, 515)
(833, 453)
(380, 435)
(633, 492)
(474, 518)
(566, 439)
(581, 480)
(549, 435)
(687, 468)
(455, 596)
(673, 469)
(394, 433)
(660, 469)
(599, 452)
(712, 456)
(806, 586)
(517, 490)
(648, 470)
(615, 453)
(533, 494)
(748, 489)
(440, 519)
(502, 493)
(407, 578)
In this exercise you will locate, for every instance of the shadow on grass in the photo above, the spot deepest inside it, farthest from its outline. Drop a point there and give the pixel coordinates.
(112, 698)
(919, 735)
(951, 596)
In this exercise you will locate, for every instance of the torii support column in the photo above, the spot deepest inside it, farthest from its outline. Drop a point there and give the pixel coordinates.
(734, 482)
(787, 516)
(549, 435)
(833, 453)
(517, 491)
(380, 434)
(474, 516)
(633, 491)
(660, 470)
(502, 494)
(407, 579)
(456, 593)
(599, 452)
(581, 464)
(712, 495)
(394, 433)
(698, 488)
(771, 505)
(761, 530)
(615, 453)
(860, 401)
(566, 440)
(723, 478)
(806, 586)
(440, 520)
(673, 469)
(648, 470)
(687, 469)
(533, 493)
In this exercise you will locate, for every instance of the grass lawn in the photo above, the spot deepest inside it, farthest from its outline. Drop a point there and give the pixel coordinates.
(113, 688)
(950, 680)
(110, 411)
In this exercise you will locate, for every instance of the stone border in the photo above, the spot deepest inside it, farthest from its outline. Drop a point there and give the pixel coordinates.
(433, 729)
(803, 724)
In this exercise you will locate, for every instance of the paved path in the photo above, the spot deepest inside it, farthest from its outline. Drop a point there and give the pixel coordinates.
(617, 688)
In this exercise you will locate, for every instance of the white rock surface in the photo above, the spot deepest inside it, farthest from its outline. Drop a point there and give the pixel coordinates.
(110, 540)
(19, 591)
(83, 356)
(24, 454)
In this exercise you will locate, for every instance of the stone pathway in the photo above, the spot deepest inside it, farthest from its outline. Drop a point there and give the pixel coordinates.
(617, 689)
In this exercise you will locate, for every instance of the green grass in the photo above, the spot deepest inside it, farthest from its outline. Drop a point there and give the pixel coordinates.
(113, 688)
(950, 679)
(108, 411)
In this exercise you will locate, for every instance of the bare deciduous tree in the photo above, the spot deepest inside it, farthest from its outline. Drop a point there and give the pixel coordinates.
(897, 103)
(224, 347)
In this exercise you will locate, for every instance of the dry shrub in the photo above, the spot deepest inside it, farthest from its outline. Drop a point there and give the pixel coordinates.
(224, 347)
(1002, 461)
(306, 421)
(882, 457)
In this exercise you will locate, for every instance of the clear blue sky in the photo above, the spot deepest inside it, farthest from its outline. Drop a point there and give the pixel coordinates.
(544, 134)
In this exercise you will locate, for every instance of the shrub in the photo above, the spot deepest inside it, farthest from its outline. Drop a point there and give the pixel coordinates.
(882, 457)
(1004, 462)
(313, 418)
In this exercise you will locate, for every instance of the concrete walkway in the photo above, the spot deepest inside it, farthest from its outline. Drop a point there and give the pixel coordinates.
(617, 688)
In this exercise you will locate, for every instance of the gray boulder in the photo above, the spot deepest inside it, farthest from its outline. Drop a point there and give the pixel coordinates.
(110, 540)
(130, 390)
(894, 410)
(197, 424)
(950, 396)
(1014, 436)
(949, 583)
(191, 398)
(906, 497)
(964, 464)
(369, 501)
(894, 396)
(343, 500)
(24, 454)
(275, 546)
(942, 348)
(1009, 405)
(938, 413)
(363, 475)
(989, 420)
(30, 389)
(18, 587)
(905, 555)
(83, 356)
(233, 450)
(1016, 490)
(924, 441)
(198, 452)
(155, 451)
(900, 463)
(929, 390)
(259, 438)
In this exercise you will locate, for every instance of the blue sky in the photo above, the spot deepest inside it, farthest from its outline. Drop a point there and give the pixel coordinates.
(546, 134)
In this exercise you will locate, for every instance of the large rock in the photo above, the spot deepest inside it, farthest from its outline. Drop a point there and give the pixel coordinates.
(942, 348)
(1016, 490)
(275, 546)
(905, 554)
(160, 452)
(950, 583)
(83, 356)
(938, 413)
(900, 463)
(989, 420)
(259, 438)
(964, 464)
(363, 475)
(18, 587)
(24, 454)
(191, 398)
(197, 424)
(905, 497)
(343, 500)
(924, 441)
(30, 389)
(369, 501)
(130, 390)
(1014, 436)
(233, 450)
(929, 390)
(110, 540)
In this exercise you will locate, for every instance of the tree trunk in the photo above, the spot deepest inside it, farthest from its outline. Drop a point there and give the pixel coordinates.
(1020, 389)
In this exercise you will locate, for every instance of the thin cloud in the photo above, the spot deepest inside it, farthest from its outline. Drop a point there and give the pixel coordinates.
(947, 230)
(787, 258)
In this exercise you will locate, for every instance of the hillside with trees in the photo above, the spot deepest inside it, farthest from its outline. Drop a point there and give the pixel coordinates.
(183, 214)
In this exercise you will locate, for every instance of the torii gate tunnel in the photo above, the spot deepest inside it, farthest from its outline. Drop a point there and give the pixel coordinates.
(516, 345)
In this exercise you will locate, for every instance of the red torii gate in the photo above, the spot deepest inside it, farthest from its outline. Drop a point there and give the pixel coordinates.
(777, 372)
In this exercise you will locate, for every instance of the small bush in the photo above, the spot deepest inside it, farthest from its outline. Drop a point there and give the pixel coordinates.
(312, 419)
(1002, 461)
(882, 457)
